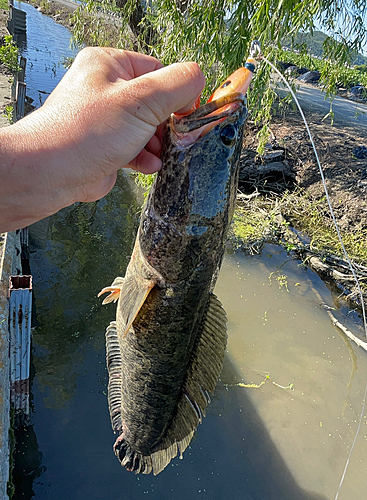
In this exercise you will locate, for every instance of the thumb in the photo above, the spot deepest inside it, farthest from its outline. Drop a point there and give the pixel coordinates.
(159, 93)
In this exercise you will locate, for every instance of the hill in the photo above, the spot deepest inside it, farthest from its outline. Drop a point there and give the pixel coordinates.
(314, 45)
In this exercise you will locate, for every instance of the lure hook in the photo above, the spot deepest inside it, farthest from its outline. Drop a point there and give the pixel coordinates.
(255, 49)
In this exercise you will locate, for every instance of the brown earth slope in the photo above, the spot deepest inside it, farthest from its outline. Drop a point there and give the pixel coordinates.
(293, 164)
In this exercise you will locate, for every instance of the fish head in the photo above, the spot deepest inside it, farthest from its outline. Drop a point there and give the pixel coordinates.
(199, 154)
(209, 157)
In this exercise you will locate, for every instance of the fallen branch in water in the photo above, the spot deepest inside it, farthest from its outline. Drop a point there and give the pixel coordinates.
(336, 322)
(347, 332)
(325, 267)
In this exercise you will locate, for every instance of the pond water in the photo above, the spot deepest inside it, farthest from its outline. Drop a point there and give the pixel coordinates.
(46, 47)
(269, 443)
(255, 443)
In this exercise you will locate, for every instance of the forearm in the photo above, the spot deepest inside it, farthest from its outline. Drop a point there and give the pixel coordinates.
(26, 193)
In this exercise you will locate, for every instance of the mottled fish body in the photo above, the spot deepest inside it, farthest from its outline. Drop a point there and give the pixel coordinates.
(165, 349)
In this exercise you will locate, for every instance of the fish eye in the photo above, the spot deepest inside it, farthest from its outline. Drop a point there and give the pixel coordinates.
(225, 84)
(228, 134)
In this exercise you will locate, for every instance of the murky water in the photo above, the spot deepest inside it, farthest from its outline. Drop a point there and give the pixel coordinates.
(45, 48)
(255, 443)
(278, 325)
(266, 443)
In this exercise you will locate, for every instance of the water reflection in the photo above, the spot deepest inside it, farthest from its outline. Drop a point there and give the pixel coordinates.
(75, 254)
(27, 462)
(46, 46)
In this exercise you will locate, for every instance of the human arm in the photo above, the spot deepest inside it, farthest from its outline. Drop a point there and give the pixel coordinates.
(104, 115)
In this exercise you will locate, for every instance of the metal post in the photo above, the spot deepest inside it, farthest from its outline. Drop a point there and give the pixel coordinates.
(20, 344)
(22, 66)
(17, 22)
(20, 100)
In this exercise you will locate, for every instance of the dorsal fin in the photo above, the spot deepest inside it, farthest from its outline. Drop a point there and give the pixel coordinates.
(202, 378)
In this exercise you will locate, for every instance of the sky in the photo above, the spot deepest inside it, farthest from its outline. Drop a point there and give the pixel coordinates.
(364, 49)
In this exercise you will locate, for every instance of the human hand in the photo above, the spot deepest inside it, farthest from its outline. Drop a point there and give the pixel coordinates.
(103, 115)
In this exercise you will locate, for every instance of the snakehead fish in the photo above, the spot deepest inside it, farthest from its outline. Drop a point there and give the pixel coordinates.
(165, 349)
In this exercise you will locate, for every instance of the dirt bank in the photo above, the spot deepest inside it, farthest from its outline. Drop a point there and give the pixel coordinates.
(283, 199)
(59, 12)
(289, 162)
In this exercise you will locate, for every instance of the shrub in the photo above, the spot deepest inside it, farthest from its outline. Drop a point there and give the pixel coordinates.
(9, 54)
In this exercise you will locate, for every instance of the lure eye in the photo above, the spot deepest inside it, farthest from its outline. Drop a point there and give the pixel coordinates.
(228, 134)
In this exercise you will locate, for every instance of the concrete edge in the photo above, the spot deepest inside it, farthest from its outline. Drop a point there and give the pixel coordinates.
(6, 266)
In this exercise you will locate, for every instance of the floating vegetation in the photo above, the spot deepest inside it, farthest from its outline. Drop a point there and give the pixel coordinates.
(263, 382)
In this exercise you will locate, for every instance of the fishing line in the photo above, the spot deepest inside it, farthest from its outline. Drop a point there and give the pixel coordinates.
(255, 52)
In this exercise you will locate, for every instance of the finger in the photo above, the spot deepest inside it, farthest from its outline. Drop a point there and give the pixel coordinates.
(116, 63)
(134, 63)
(154, 96)
(142, 63)
(96, 190)
(146, 163)
(154, 146)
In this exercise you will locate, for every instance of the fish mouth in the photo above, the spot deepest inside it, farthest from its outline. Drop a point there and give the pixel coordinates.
(223, 103)
(204, 118)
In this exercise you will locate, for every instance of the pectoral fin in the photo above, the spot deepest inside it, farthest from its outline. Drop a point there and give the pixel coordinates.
(132, 296)
(114, 290)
